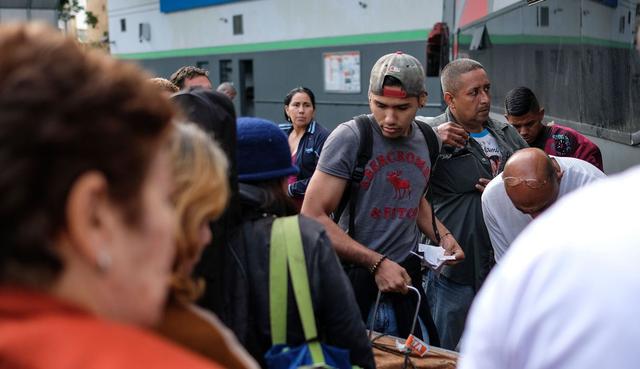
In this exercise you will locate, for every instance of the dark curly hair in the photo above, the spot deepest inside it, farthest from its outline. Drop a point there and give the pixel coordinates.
(66, 111)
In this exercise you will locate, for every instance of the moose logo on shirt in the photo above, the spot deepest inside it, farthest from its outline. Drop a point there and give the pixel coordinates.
(401, 186)
(378, 163)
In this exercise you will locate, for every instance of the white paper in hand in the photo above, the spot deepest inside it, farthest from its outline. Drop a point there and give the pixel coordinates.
(433, 256)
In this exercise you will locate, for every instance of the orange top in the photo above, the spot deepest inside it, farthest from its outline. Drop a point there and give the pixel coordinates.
(39, 331)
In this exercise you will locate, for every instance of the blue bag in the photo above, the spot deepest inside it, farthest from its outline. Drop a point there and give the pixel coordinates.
(283, 356)
(287, 257)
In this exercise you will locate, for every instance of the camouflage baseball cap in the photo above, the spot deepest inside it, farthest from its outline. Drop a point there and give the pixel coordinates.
(403, 67)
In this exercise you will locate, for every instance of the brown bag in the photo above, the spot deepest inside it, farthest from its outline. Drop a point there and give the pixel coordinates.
(387, 356)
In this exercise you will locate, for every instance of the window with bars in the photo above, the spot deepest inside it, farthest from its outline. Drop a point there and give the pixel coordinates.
(225, 71)
(203, 65)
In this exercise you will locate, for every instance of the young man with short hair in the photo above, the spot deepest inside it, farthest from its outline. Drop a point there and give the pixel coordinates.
(524, 113)
(189, 76)
(391, 210)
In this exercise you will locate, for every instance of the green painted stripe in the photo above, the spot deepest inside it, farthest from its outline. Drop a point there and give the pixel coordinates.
(548, 40)
(372, 38)
(465, 39)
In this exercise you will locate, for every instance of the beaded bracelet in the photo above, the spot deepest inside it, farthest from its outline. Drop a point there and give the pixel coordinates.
(374, 267)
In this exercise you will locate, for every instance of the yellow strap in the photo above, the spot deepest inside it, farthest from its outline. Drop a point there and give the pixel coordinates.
(278, 284)
(300, 282)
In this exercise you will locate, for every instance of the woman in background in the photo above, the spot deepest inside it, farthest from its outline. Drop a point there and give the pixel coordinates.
(200, 195)
(306, 138)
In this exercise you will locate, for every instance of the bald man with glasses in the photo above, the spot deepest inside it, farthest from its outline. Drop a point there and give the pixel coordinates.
(530, 183)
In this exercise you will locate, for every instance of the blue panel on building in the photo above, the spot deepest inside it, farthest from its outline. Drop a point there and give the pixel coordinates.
(168, 6)
(611, 3)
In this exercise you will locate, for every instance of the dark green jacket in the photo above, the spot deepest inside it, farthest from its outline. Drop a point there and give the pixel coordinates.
(457, 202)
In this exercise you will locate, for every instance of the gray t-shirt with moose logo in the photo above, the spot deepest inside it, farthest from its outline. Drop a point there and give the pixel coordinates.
(395, 180)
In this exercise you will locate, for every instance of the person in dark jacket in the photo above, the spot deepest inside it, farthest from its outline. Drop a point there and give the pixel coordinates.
(214, 113)
(306, 138)
(264, 163)
(477, 150)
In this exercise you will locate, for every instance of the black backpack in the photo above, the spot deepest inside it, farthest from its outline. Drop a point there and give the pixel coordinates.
(363, 123)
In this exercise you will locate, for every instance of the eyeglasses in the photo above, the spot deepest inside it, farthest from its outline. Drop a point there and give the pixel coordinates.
(529, 182)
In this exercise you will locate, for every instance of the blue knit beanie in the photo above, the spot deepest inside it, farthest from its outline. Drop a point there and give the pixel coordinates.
(263, 151)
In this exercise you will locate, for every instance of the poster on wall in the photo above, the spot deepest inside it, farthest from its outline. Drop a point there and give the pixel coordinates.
(342, 72)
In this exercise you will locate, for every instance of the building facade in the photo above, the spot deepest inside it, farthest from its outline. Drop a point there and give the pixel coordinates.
(27, 11)
(268, 47)
(579, 56)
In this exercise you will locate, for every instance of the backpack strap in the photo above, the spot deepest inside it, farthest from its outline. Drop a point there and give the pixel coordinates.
(365, 147)
(434, 153)
(432, 142)
(286, 251)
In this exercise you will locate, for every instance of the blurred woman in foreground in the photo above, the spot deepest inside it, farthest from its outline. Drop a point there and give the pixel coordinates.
(200, 195)
(86, 221)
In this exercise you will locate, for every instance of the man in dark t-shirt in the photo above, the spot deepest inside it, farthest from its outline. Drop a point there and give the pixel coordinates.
(524, 113)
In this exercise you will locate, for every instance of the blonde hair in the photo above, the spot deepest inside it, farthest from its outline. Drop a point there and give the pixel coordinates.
(201, 192)
(164, 85)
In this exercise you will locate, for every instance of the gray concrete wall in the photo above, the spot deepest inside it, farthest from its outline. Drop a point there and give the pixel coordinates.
(617, 157)
(275, 73)
(581, 67)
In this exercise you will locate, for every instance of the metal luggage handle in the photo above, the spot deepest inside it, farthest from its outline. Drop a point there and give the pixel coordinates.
(375, 311)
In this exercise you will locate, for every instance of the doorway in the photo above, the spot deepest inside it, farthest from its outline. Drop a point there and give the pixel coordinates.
(247, 106)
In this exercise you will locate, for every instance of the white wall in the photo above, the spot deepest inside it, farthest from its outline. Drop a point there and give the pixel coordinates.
(603, 20)
(599, 21)
(499, 4)
(264, 21)
(22, 15)
(564, 18)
